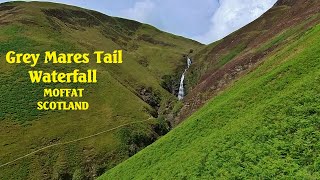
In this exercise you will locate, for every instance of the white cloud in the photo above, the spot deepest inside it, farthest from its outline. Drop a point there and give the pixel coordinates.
(232, 15)
(140, 11)
(186, 18)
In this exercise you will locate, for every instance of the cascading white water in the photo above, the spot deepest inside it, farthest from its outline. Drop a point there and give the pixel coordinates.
(189, 62)
(181, 88)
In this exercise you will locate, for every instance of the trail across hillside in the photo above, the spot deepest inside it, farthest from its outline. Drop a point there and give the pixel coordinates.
(72, 141)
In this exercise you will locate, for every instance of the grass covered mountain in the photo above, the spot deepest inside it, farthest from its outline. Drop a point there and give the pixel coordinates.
(222, 62)
(127, 93)
(262, 119)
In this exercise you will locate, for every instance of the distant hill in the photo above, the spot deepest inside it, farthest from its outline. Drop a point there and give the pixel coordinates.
(131, 92)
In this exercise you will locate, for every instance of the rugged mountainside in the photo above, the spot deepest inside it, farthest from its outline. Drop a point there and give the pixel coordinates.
(263, 119)
(126, 93)
(224, 61)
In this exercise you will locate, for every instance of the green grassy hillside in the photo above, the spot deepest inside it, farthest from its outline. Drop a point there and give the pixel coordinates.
(263, 126)
(227, 60)
(126, 93)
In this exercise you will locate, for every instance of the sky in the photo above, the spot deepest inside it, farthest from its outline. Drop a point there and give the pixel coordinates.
(203, 20)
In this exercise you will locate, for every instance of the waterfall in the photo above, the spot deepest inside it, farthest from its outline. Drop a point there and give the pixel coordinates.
(181, 88)
(189, 62)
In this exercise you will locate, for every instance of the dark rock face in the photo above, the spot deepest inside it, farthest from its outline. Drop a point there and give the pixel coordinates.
(284, 2)
(150, 97)
(290, 2)
(5, 8)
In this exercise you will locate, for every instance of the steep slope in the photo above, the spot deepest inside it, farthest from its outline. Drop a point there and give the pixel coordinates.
(222, 62)
(264, 125)
(126, 93)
